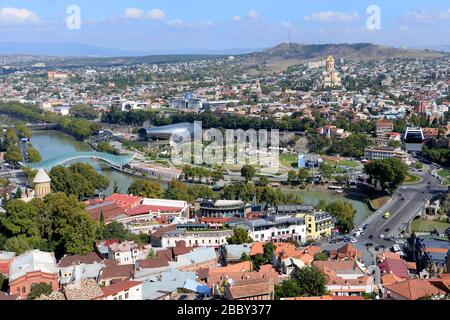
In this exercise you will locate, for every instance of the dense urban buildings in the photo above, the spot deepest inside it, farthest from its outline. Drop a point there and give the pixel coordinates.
(297, 172)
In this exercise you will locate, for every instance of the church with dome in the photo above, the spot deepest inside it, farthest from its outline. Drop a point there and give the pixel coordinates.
(42, 184)
(330, 77)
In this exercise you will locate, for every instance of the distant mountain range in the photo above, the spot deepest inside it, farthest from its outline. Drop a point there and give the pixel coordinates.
(84, 50)
(361, 51)
(273, 59)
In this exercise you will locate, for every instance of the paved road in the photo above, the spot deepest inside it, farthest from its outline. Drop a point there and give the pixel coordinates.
(402, 211)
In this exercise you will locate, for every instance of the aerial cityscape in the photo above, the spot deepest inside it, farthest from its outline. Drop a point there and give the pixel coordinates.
(178, 151)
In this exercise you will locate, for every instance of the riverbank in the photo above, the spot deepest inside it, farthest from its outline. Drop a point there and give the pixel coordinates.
(313, 198)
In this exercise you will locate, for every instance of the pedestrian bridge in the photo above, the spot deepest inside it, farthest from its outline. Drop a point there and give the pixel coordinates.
(115, 161)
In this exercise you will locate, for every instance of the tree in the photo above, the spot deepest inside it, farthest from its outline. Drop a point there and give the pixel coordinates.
(248, 172)
(217, 174)
(106, 147)
(240, 236)
(23, 131)
(39, 289)
(269, 248)
(145, 188)
(389, 173)
(303, 174)
(115, 230)
(78, 237)
(244, 257)
(84, 111)
(116, 188)
(151, 254)
(18, 194)
(344, 212)
(320, 257)
(287, 289)
(292, 176)
(263, 181)
(177, 190)
(239, 191)
(20, 218)
(199, 191)
(326, 170)
(353, 146)
(13, 155)
(71, 227)
(19, 244)
(311, 281)
(33, 155)
(80, 180)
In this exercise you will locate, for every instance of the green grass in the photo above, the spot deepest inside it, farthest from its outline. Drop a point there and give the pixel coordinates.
(289, 160)
(429, 225)
(411, 179)
(445, 173)
(350, 164)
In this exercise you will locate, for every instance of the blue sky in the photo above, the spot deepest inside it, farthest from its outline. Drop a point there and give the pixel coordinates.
(214, 24)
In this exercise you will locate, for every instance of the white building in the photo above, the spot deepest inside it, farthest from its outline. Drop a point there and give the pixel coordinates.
(277, 229)
(384, 152)
(126, 252)
(195, 238)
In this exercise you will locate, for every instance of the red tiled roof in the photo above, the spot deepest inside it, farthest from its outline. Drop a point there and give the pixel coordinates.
(145, 209)
(394, 266)
(413, 289)
(109, 209)
(124, 200)
(113, 270)
(90, 258)
(119, 286)
(158, 262)
(250, 288)
(141, 209)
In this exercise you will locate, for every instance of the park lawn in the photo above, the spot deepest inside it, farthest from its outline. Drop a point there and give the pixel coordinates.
(428, 225)
(445, 173)
(410, 179)
(348, 163)
(289, 160)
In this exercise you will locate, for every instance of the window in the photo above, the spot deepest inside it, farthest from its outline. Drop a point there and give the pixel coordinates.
(126, 295)
(23, 290)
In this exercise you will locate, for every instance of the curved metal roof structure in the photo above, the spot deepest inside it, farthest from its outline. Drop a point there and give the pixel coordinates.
(110, 159)
(165, 132)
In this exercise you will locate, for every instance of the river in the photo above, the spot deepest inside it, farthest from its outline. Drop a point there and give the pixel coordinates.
(55, 143)
(314, 197)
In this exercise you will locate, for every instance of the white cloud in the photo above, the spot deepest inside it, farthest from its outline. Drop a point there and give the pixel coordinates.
(136, 13)
(332, 16)
(208, 23)
(286, 24)
(175, 23)
(236, 18)
(252, 14)
(156, 14)
(427, 15)
(13, 16)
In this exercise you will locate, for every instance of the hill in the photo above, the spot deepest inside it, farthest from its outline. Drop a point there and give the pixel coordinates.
(286, 54)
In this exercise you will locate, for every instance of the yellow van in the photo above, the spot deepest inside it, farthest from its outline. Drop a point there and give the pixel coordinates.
(387, 215)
